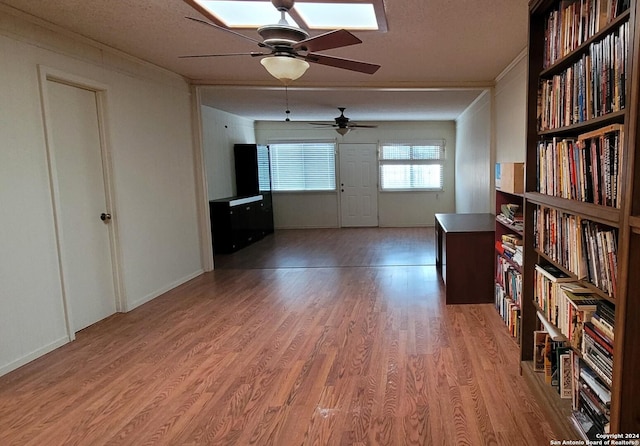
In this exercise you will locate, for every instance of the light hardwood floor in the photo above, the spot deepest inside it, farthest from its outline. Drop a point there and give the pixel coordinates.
(325, 354)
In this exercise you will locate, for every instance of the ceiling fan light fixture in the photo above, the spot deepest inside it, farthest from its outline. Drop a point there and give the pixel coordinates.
(284, 68)
(343, 130)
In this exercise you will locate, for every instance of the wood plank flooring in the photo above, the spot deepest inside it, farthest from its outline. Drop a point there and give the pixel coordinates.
(331, 355)
(315, 248)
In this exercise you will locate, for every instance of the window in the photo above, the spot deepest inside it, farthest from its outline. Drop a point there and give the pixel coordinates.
(303, 166)
(412, 166)
(264, 180)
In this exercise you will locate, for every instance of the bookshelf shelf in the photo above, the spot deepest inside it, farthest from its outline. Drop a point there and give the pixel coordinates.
(601, 214)
(572, 108)
(586, 126)
(511, 228)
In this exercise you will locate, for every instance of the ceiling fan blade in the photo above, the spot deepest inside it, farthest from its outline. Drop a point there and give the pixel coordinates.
(362, 126)
(323, 124)
(227, 30)
(252, 54)
(339, 62)
(327, 41)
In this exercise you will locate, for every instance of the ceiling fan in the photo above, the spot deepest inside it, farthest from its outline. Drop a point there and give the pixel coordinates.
(289, 48)
(343, 125)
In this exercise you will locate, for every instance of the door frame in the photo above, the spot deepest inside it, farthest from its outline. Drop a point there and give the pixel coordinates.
(46, 74)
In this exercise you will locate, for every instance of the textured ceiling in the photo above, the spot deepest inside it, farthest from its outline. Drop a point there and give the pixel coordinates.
(430, 43)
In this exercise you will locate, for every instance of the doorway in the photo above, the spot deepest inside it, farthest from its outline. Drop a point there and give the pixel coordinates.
(358, 185)
(82, 206)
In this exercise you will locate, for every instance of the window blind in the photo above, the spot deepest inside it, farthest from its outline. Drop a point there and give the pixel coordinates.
(303, 166)
(412, 166)
(264, 180)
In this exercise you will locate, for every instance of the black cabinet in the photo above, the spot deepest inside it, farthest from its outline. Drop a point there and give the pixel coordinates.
(247, 169)
(237, 222)
(241, 220)
(253, 177)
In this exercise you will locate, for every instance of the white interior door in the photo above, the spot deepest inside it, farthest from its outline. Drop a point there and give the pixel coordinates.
(358, 184)
(85, 249)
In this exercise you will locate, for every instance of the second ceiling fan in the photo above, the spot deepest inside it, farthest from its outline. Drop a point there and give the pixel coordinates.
(288, 49)
(343, 125)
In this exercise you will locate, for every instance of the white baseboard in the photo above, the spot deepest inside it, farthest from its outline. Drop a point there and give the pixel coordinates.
(4, 369)
(131, 305)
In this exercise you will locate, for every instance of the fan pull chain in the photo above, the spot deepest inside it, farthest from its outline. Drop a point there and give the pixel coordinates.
(287, 111)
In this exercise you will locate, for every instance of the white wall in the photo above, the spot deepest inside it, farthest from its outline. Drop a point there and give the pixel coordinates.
(491, 130)
(511, 112)
(150, 135)
(395, 209)
(220, 131)
(474, 158)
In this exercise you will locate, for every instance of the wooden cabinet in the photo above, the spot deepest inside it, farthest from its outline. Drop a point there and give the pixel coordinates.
(580, 214)
(464, 256)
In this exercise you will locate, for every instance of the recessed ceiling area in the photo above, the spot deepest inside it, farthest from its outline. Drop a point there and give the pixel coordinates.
(435, 57)
(320, 104)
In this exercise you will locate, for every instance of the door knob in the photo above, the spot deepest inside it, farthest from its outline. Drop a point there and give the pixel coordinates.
(104, 216)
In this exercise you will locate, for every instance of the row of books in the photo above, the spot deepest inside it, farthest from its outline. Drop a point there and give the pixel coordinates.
(510, 246)
(586, 248)
(553, 359)
(509, 310)
(581, 374)
(593, 372)
(559, 237)
(591, 401)
(565, 369)
(602, 256)
(511, 215)
(591, 87)
(587, 169)
(565, 303)
(597, 341)
(510, 279)
(597, 351)
(574, 22)
(548, 295)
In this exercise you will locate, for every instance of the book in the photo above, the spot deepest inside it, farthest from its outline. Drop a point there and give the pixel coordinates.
(602, 328)
(576, 288)
(574, 311)
(551, 349)
(559, 350)
(599, 337)
(554, 273)
(539, 338)
(594, 385)
(548, 359)
(566, 377)
(584, 425)
(513, 239)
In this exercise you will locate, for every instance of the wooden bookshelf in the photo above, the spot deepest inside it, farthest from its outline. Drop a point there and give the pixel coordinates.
(508, 271)
(616, 105)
